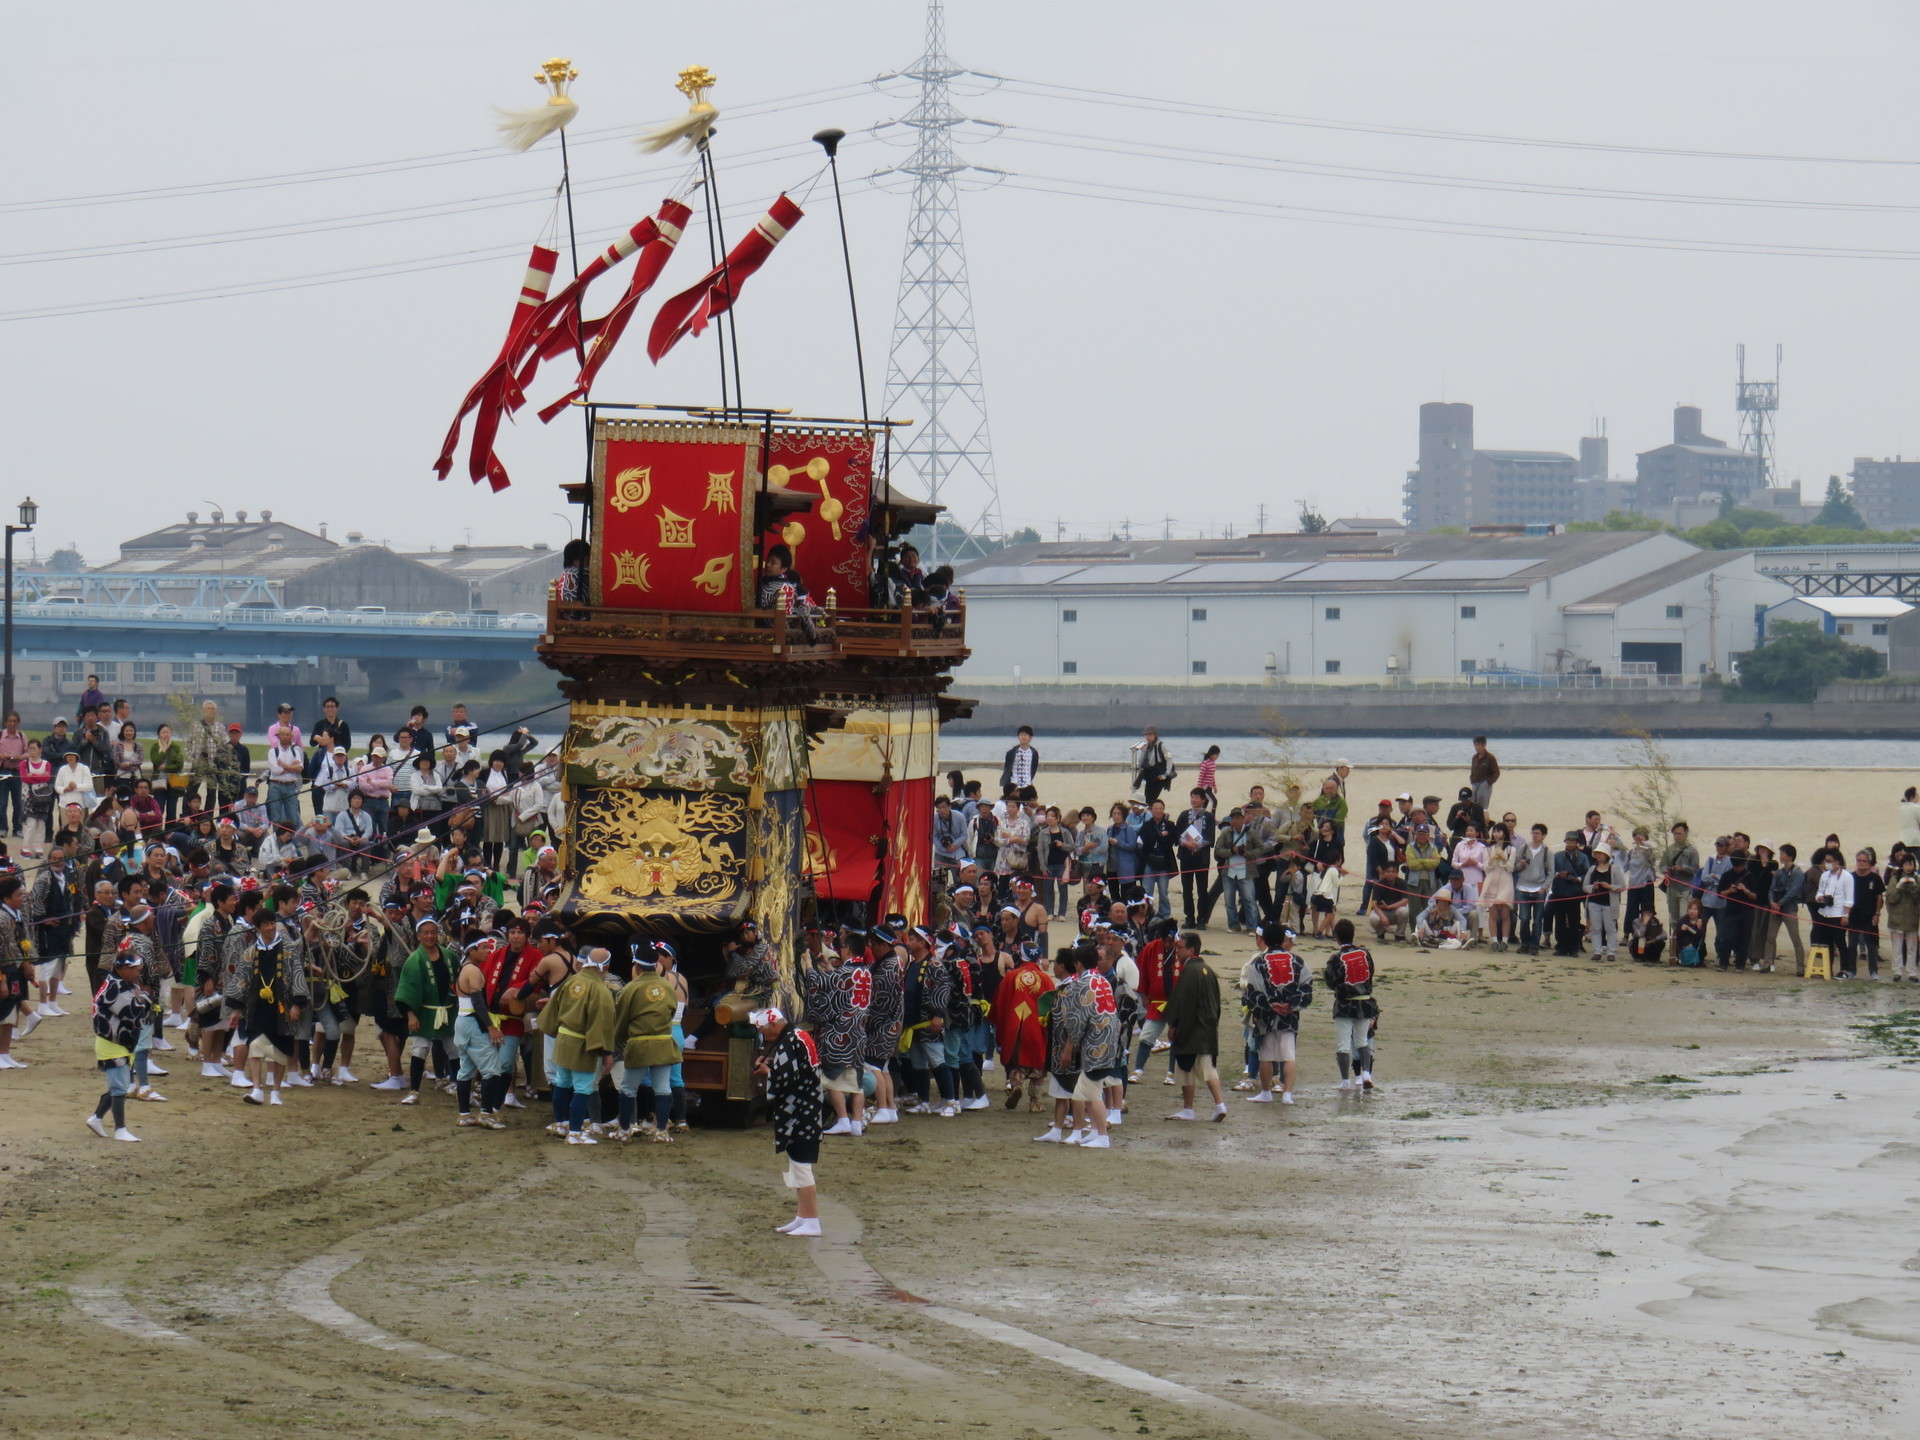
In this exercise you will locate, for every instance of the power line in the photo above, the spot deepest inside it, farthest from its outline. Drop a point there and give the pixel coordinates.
(1045, 90)
(1149, 150)
(1230, 205)
(599, 136)
(436, 210)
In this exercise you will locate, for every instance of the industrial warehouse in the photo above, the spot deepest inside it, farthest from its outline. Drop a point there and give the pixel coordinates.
(1359, 609)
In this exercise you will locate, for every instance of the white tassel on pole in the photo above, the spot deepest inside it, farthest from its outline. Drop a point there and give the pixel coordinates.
(523, 129)
(692, 128)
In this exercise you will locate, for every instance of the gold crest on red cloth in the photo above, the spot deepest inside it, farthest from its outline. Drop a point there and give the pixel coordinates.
(671, 514)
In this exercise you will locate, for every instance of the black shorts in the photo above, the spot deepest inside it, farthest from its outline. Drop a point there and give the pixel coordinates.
(395, 1026)
(804, 1152)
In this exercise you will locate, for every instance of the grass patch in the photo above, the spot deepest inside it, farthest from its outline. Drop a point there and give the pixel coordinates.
(1671, 1080)
(1895, 1033)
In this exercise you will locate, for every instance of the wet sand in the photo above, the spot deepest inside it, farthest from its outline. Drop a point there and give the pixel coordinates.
(1588, 1200)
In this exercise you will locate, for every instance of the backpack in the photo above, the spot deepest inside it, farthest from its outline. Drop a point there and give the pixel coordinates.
(1810, 887)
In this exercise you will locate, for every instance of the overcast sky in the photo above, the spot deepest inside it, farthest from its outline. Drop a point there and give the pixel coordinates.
(1142, 361)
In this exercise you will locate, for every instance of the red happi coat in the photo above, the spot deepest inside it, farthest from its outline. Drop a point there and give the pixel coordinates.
(1021, 1030)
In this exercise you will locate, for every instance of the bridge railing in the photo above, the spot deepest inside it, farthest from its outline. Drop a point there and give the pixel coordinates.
(268, 617)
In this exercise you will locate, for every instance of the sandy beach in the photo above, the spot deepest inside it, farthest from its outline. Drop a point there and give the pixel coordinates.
(1800, 806)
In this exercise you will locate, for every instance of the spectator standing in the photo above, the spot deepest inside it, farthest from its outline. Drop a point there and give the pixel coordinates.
(1152, 770)
(333, 726)
(1159, 840)
(1022, 762)
(1482, 773)
(1197, 833)
(1785, 892)
(1680, 867)
(949, 842)
(13, 749)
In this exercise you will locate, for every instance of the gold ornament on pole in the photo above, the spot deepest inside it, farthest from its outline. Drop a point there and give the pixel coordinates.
(693, 127)
(523, 129)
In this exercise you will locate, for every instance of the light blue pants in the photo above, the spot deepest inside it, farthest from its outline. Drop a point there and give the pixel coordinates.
(479, 1056)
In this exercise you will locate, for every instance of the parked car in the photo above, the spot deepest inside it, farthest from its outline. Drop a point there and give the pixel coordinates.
(440, 617)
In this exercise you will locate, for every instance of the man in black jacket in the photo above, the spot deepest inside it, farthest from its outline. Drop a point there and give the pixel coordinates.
(1195, 842)
(1159, 838)
(1022, 762)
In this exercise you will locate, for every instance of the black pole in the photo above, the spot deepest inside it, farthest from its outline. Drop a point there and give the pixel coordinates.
(566, 186)
(713, 256)
(729, 328)
(829, 141)
(6, 686)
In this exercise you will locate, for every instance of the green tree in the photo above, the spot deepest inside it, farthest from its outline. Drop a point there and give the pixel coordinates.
(67, 560)
(1798, 658)
(1839, 511)
(1312, 522)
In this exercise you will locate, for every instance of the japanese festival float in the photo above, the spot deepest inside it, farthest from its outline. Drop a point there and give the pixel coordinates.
(755, 685)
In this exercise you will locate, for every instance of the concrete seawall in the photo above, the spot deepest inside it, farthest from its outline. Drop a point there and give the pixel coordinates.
(1369, 711)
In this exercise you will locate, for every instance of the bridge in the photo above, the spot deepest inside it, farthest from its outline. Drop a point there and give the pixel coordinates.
(1878, 570)
(238, 620)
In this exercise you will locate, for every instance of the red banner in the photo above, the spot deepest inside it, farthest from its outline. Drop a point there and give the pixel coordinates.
(829, 543)
(845, 833)
(909, 811)
(673, 511)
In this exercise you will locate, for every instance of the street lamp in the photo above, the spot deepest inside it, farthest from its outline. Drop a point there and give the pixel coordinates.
(29, 512)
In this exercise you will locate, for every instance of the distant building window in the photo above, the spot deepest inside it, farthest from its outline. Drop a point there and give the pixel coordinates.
(1199, 614)
(1469, 612)
(1069, 667)
(107, 670)
(1199, 667)
(180, 674)
(1844, 629)
(1333, 667)
(143, 672)
(1067, 617)
(1674, 612)
(1333, 613)
(1469, 667)
(1879, 627)
(73, 672)
(220, 674)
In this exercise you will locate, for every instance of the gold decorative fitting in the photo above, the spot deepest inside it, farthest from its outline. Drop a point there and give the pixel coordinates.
(693, 83)
(558, 76)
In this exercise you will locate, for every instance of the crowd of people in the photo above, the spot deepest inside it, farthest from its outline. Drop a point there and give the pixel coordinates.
(262, 913)
(1440, 872)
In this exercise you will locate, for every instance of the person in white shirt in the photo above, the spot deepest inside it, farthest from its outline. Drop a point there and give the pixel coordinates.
(73, 784)
(1833, 901)
(286, 767)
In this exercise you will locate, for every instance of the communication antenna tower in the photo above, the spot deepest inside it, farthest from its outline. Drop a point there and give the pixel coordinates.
(1758, 401)
(933, 369)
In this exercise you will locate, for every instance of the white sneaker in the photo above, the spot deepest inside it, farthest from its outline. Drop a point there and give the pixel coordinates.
(979, 1102)
(1344, 1085)
(987, 1066)
(1136, 1077)
(859, 1127)
(27, 1026)
(1181, 1115)
(127, 1135)
(885, 1117)
(1115, 1117)
(1366, 1081)
(273, 1097)
(580, 1137)
(949, 1110)
(786, 1228)
(1265, 1097)
(511, 1102)
(1167, 1079)
(162, 1043)
(344, 1076)
(61, 989)
(175, 1021)
(7, 1062)
(1160, 1045)
(842, 1126)
(240, 1080)
(255, 1096)
(212, 1070)
(1052, 1137)
(300, 1078)
(392, 1082)
(47, 1007)
(97, 1125)
(919, 1107)
(1219, 1112)
(1286, 1097)
(1096, 1142)
(148, 1093)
